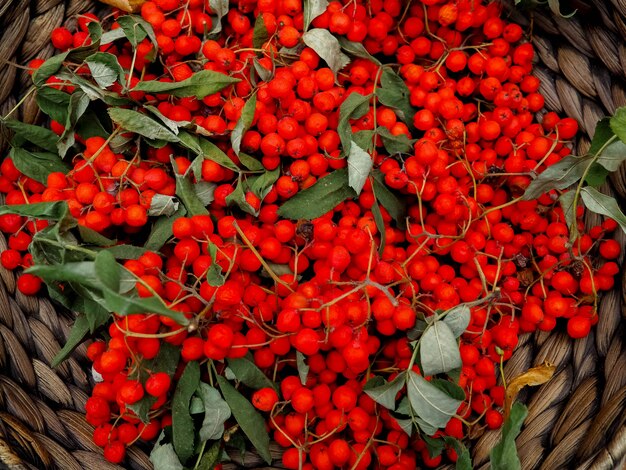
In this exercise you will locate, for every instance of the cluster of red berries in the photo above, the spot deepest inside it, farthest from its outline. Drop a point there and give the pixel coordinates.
(342, 304)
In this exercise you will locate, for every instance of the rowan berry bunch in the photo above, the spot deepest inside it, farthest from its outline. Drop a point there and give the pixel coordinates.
(336, 205)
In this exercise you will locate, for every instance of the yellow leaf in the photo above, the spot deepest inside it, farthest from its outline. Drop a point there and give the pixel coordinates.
(535, 376)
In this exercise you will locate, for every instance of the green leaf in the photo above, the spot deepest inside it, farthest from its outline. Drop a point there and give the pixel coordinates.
(53, 102)
(303, 368)
(169, 123)
(216, 412)
(55, 211)
(75, 338)
(320, 198)
(199, 85)
(108, 271)
(205, 150)
(220, 8)
(596, 175)
(163, 456)
(162, 230)
(313, 9)
(567, 204)
(561, 175)
(204, 192)
(251, 163)
(186, 192)
(504, 454)
(183, 431)
(439, 351)
(54, 63)
(259, 35)
(430, 404)
(263, 184)
(141, 124)
(360, 163)
(394, 93)
(450, 388)
(37, 165)
(613, 156)
(380, 225)
(40, 136)
(238, 198)
(163, 205)
(214, 274)
(248, 373)
(354, 106)
(385, 394)
(435, 446)
(79, 102)
(327, 47)
(249, 420)
(137, 29)
(243, 124)
(458, 319)
(395, 144)
(356, 49)
(602, 204)
(211, 457)
(464, 461)
(105, 69)
(394, 205)
(602, 134)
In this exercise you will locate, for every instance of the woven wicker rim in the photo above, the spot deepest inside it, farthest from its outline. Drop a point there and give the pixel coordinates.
(578, 419)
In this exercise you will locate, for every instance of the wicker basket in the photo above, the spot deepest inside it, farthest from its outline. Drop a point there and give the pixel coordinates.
(577, 420)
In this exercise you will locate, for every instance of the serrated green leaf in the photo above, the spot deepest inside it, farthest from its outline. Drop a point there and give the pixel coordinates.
(137, 29)
(163, 456)
(320, 198)
(204, 191)
(430, 404)
(219, 8)
(327, 47)
(259, 35)
(251, 163)
(53, 102)
(613, 156)
(249, 420)
(561, 175)
(247, 372)
(393, 92)
(354, 106)
(214, 274)
(385, 394)
(77, 335)
(54, 63)
(360, 164)
(216, 412)
(392, 203)
(602, 204)
(199, 85)
(211, 457)
(504, 454)
(163, 205)
(380, 226)
(458, 319)
(567, 204)
(263, 184)
(439, 351)
(55, 211)
(141, 124)
(169, 123)
(243, 124)
(313, 9)
(162, 230)
(79, 102)
(40, 136)
(303, 368)
(601, 135)
(205, 150)
(356, 49)
(187, 194)
(395, 144)
(183, 431)
(105, 69)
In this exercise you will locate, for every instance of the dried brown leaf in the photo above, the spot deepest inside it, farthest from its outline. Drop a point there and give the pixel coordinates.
(535, 376)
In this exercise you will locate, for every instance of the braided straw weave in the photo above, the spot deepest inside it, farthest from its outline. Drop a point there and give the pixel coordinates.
(577, 420)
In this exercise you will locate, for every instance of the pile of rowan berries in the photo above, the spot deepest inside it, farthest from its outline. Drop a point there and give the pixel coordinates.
(339, 300)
